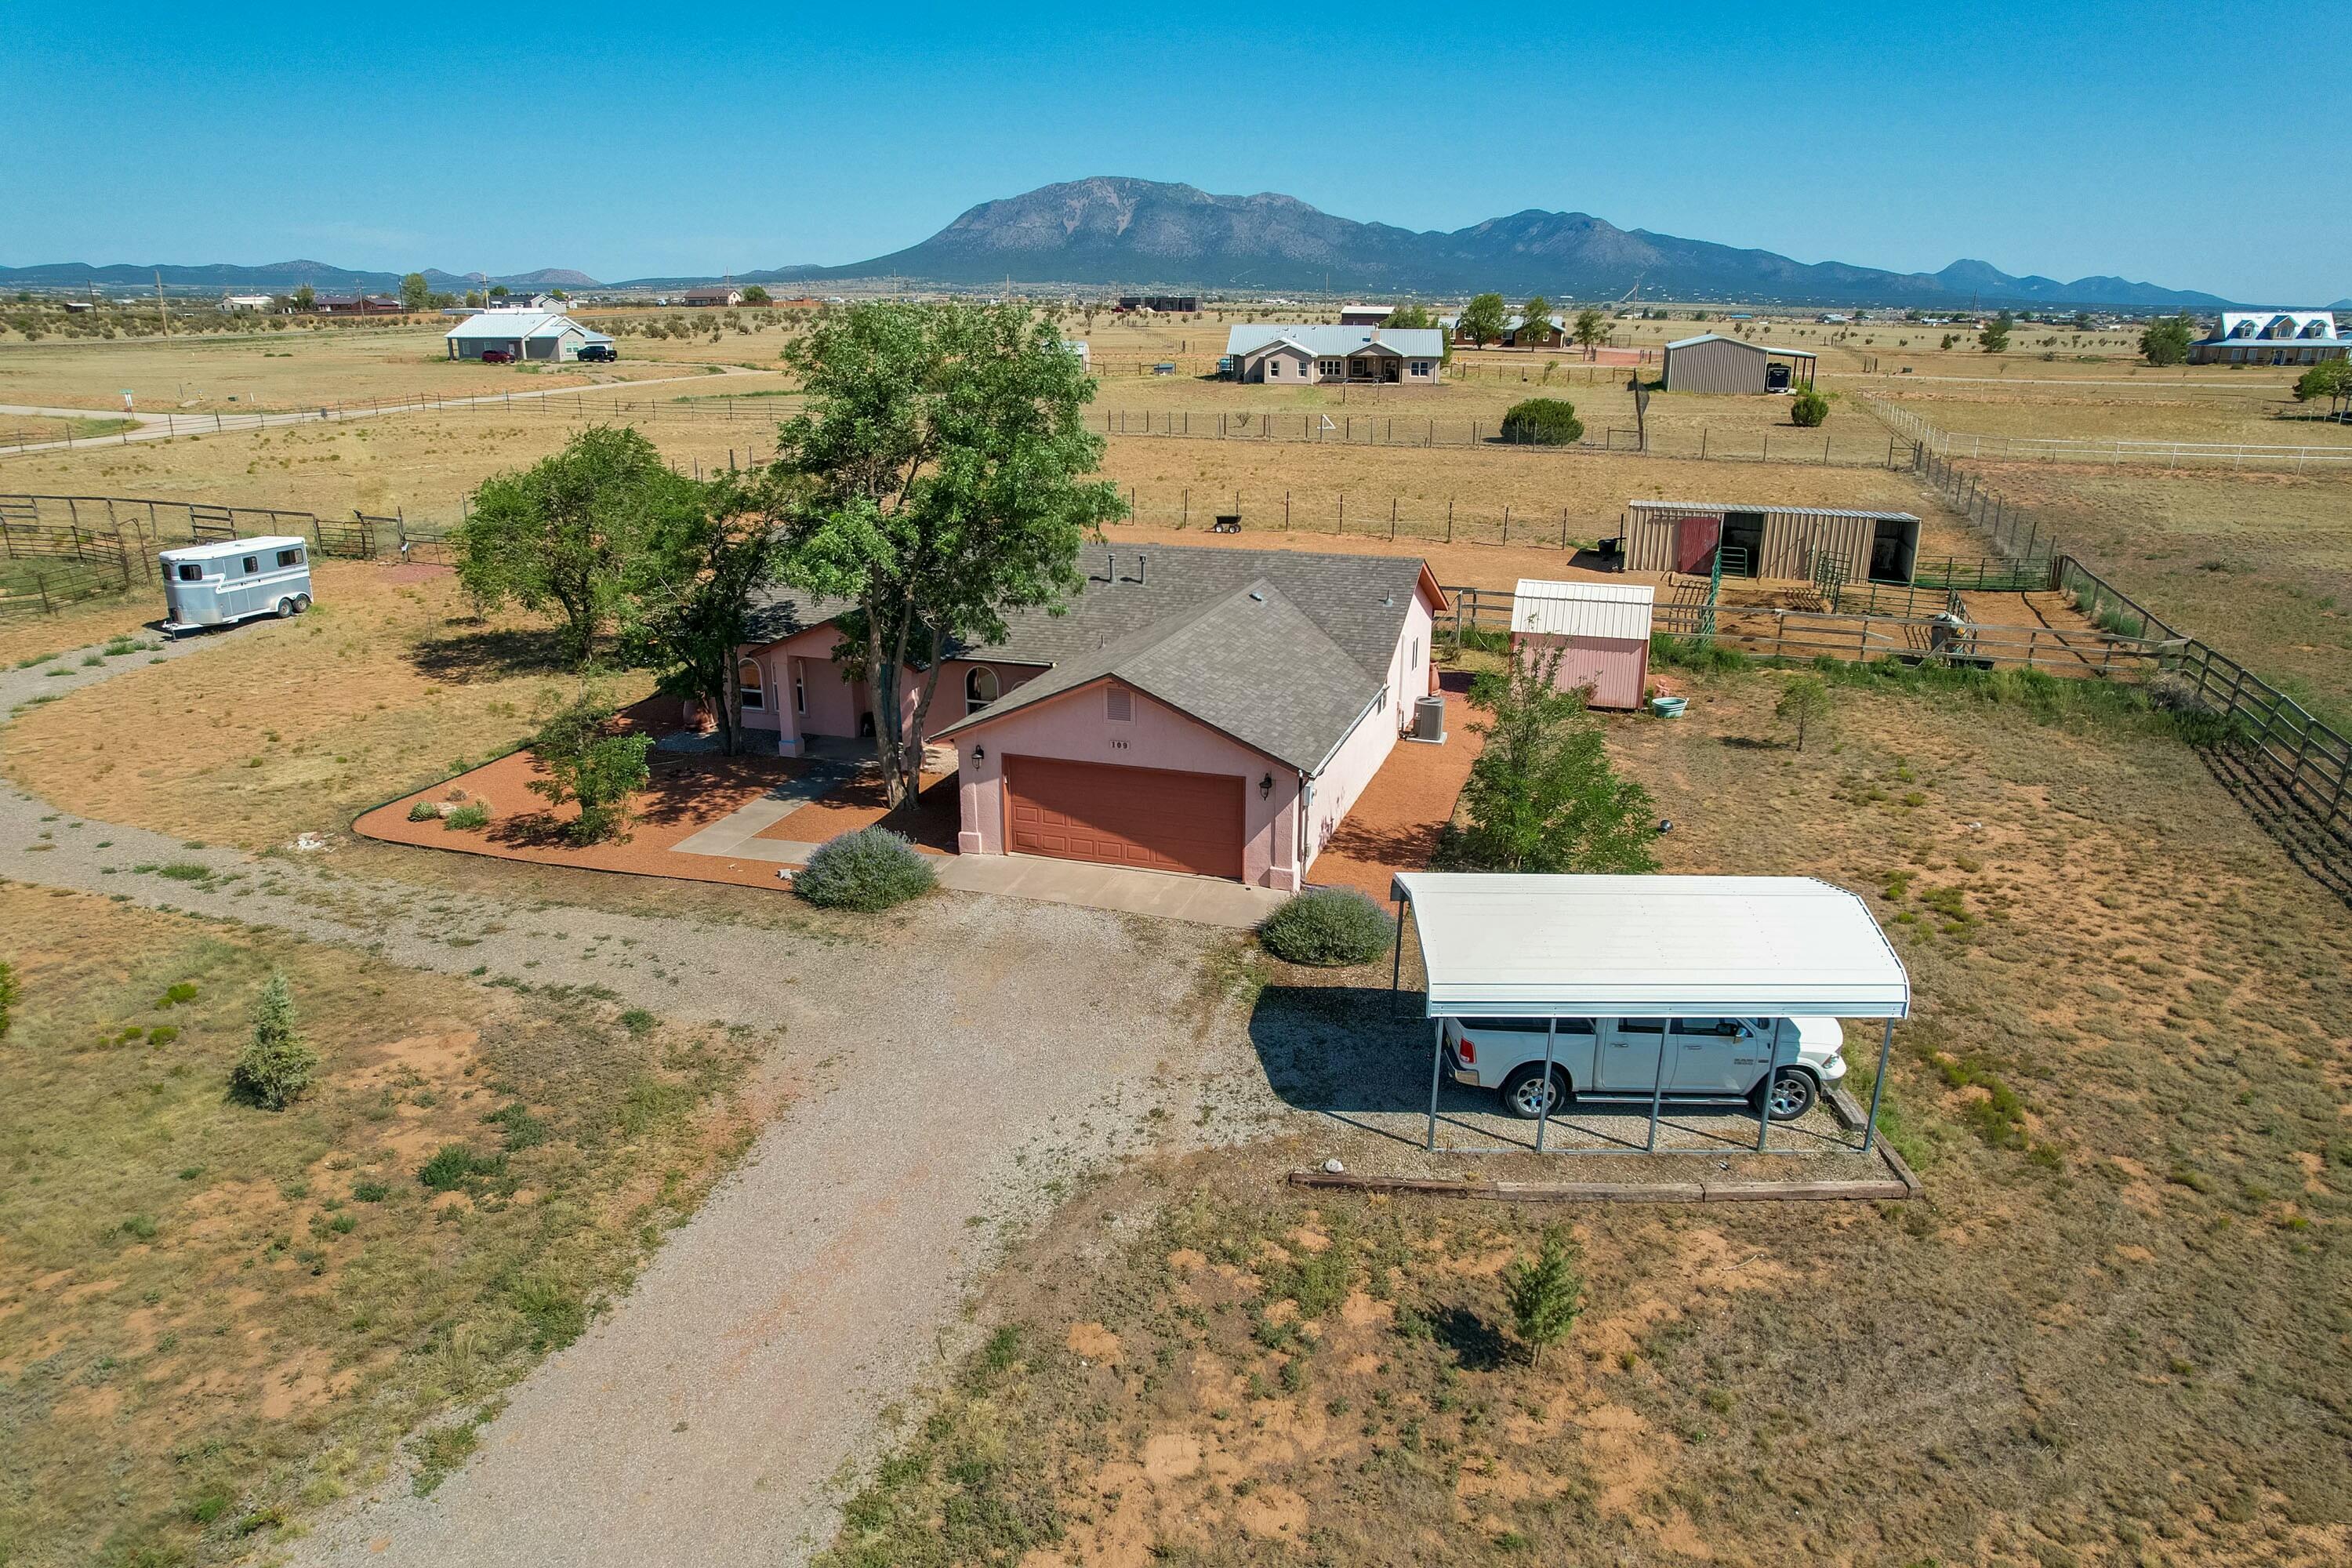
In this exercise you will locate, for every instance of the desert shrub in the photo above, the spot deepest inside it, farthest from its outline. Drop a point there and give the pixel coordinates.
(593, 769)
(468, 817)
(1671, 652)
(1327, 927)
(1543, 422)
(185, 872)
(7, 999)
(422, 810)
(370, 1191)
(1809, 408)
(178, 995)
(276, 1065)
(1542, 796)
(454, 1165)
(871, 869)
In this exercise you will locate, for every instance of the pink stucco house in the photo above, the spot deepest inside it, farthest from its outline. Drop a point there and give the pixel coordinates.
(1205, 711)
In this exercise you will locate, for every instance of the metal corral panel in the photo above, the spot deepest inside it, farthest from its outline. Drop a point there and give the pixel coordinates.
(1518, 945)
(1582, 609)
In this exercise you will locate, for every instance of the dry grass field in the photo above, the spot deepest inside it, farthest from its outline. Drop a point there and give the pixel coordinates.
(213, 1317)
(386, 686)
(2255, 415)
(2111, 1332)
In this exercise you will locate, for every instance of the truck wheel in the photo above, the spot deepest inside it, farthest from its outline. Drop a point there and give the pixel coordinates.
(1793, 1093)
(1526, 1097)
(285, 609)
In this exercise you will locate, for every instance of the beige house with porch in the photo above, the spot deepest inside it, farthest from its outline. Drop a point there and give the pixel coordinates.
(1282, 355)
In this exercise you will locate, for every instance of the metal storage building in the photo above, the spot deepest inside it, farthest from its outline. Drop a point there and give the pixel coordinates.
(524, 333)
(1712, 363)
(1600, 631)
(1800, 542)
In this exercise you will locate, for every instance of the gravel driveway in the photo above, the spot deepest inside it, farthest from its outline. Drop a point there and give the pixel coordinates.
(953, 1072)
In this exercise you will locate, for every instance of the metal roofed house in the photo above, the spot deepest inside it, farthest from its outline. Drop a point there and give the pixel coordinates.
(1284, 354)
(2272, 337)
(1713, 363)
(1523, 945)
(248, 304)
(1600, 632)
(358, 305)
(1365, 315)
(1191, 710)
(1797, 543)
(527, 334)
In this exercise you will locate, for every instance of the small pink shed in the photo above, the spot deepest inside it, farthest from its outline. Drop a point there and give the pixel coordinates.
(1602, 630)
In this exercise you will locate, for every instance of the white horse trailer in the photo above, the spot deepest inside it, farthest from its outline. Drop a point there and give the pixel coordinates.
(232, 580)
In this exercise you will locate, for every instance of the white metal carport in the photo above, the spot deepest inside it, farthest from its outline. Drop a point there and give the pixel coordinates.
(1673, 947)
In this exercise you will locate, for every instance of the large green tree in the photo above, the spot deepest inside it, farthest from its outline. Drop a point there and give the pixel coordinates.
(1482, 318)
(1994, 339)
(1534, 322)
(1541, 796)
(2166, 340)
(939, 478)
(414, 292)
(570, 533)
(692, 599)
(1591, 330)
(2328, 378)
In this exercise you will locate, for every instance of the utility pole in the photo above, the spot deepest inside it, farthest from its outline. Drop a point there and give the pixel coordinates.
(162, 309)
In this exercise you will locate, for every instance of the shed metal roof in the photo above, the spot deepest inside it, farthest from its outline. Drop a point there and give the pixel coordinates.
(1700, 507)
(1743, 342)
(1581, 609)
(1674, 947)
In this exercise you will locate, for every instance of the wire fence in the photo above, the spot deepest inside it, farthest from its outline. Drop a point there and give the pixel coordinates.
(1843, 448)
(2113, 450)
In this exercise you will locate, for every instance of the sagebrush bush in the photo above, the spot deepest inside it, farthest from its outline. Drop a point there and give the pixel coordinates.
(1809, 408)
(871, 869)
(453, 1165)
(276, 1065)
(1543, 422)
(1327, 927)
(468, 817)
(422, 810)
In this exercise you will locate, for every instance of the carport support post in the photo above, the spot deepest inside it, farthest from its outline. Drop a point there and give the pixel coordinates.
(1436, 1061)
(1772, 1071)
(1396, 965)
(1657, 1093)
(1543, 1114)
(1878, 1086)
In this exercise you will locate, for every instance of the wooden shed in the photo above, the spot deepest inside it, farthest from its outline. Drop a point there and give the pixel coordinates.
(1712, 363)
(1600, 631)
(1800, 542)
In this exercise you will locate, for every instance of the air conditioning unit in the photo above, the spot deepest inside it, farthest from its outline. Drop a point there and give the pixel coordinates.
(1429, 719)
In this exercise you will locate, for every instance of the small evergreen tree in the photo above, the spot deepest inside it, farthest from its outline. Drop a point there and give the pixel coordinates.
(1994, 339)
(1543, 422)
(276, 1065)
(1805, 704)
(1546, 1294)
(1809, 408)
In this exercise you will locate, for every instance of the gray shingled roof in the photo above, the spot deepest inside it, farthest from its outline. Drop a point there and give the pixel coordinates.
(1289, 672)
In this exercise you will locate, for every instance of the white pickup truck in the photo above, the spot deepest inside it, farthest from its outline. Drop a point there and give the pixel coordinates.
(1604, 1059)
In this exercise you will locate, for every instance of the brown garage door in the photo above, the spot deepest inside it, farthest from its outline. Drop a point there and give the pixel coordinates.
(1147, 818)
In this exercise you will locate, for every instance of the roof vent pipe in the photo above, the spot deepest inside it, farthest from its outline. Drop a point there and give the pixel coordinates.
(1110, 565)
(1138, 568)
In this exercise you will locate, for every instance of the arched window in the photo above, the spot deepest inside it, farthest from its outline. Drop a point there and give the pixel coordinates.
(979, 688)
(755, 686)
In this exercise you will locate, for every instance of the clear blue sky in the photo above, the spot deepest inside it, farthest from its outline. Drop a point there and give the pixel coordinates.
(2195, 146)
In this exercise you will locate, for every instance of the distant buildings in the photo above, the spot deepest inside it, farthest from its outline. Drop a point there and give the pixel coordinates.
(248, 304)
(2271, 337)
(714, 294)
(1281, 354)
(1176, 304)
(1365, 315)
(357, 305)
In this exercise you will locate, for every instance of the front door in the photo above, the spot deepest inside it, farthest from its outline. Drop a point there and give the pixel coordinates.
(1629, 1054)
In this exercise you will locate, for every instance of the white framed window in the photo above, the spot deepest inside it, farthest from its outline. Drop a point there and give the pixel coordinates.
(1274, 367)
(980, 687)
(799, 689)
(754, 684)
(1421, 367)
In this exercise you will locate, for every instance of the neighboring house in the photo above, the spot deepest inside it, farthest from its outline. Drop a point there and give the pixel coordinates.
(1203, 711)
(1173, 304)
(248, 304)
(1600, 630)
(1365, 315)
(525, 333)
(1554, 331)
(1799, 543)
(718, 294)
(2271, 337)
(357, 305)
(1712, 363)
(1287, 356)
(1078, 347)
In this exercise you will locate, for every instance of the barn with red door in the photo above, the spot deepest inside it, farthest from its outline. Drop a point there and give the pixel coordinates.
(1807, 544)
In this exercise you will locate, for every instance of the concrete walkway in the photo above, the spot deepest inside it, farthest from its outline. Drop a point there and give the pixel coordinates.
(1206, 900)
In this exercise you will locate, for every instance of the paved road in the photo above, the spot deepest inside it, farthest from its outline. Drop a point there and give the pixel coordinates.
(988, 1047)
(166, 426)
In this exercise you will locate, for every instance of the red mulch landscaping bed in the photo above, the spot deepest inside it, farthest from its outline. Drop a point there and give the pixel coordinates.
(1393, 824)
(933, 820)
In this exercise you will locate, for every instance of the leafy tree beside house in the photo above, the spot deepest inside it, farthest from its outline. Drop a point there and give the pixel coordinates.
(689, 608)
(755, 295)
(2166, 340)
(2328, 378)
(593, 766)
(1590, 330)
(414, 292)
(570, 533)
(1482, 319)
(1534, 318)
(1541, 796)
(305, 298)
(938, 478)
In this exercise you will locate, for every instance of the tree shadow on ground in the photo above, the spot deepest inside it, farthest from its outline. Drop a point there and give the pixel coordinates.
(491, 653)
(1476, 1345)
